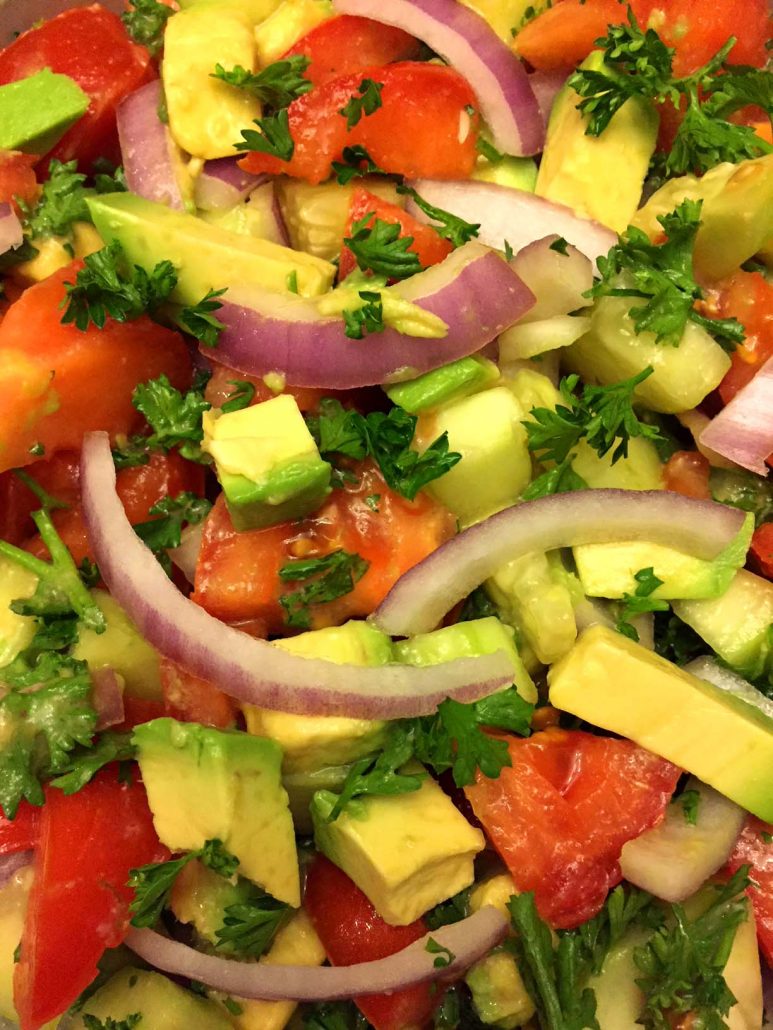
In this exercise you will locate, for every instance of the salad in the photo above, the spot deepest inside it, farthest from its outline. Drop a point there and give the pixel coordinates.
(386, 526)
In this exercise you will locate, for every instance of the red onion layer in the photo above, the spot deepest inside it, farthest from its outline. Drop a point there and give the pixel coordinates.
(249, 669)
(11, 234)
(473, 291)
(467, 41)
(222, 184)
(420, 598)
(107, 697)
(146, 148)
(743, 431)
(467, 940)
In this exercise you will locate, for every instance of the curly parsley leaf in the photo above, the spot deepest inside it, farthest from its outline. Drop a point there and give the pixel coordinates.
(690, 802)
(380, 775)
(444, 955)
(367, 101)
(200, 320)
(82, 765)
(109, 178)
(250, 926)
(62, 202)
(153, 883)
(174, 417)
(164, 533)
(334, 1015)
(640, 602)
(450, 227)
(326, 579)
(145, 22)
(378, 247)
(367, 318)
(274, 138)
(356, 162)
(276, 85)
(675, 640)
(561, 479)
(240, 397)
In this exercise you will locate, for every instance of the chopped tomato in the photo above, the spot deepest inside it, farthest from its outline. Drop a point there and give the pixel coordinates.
(57, 475)
(352, 931)
(191, 699)
(91, 46)
(79, 902)
(564, 35)
(221, 386)
(17, 178)
(755, 848)
(237, 576)
(747, 296)
(561, 814)
(687, 472)
(423, 128)
(428, 244)
(761, 554)
(137, 710)
(57, 383)
(20, 833)
(346, 44)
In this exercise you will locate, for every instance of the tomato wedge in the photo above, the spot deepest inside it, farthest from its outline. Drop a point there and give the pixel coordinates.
(755, 849)
(747, 296)
(560, 815)
(423, 128)
(564, 35)
(22, 832)
(347, 44)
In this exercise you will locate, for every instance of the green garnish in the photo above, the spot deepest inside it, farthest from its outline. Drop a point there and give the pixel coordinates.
(380, 248)
(326, 579)
(368, 318)
(153, 883)
(200, 321)
(164, 533)
(145, 22)
(274, 138)
(640, 602)
(367, 102)
(276, 85)
(240, 397)
(450, 227)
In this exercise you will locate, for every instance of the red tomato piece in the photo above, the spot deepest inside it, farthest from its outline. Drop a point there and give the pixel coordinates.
(91, 46)
(687, 472)
(57, 383)
(79, 902)
(191, 699)
(22, 832)
(137, 710)
(427, 241)
(564, 35)
(747, 296)
(756, 850)
(561, 814)
(17, 178)
(423, 128)
(237, 576)
(761, 553)
(347, 44)
(220, 387)
(57, 475)
(352, 931)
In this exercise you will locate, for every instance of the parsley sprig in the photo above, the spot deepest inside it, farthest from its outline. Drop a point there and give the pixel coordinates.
(276, 85)
(325, 579)
(367, 101)
(273, 139)
(249, 926)
(367, 318)
(174, 417)
(62, 202)
(356, 163)
(378, 247)
(450, 227)
(145, 22)
(163, 533)
(640, 602)
(153, 883)
(200, 321)
(127, 1023)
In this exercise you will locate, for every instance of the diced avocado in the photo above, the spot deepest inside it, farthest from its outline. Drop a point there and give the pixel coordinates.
(641, 469)
(252, 217)
(608, 570)
(743, 490)
(519, 173)
(600, 177)
(267, 462)
(302, 786)
(441, 386)
(613, 351)
(291, 20)
(536, 602)
(495, 891)
(619, 1001)
(738, 625)
(467, 640)
(254, 10)
(206, 115)
(316, 216)
(200, 897)
(505, 16)
(533, 390)
(122, 648)
(736, 218)
(206, 784)
(622, 687)
(162, 1004)
(16, 631)
(495, 466)
(205, 257)
(407, 852)
(313, 743)
(35, 112)
(55, 252)
(499, 996)
(13, 907)
(743, 976)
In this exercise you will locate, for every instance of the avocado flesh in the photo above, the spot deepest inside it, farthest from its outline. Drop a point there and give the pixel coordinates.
(35, 112)
(205, 784)
(291, 492)
(519, 173)
(162, 1004)
(499, 996)
(288, 23)
(205, 257)
(442, 385)
(622, 687)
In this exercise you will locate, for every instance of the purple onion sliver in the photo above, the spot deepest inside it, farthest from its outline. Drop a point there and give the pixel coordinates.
(222, 184)
(546, 86)
(107, 698)
(743, 431)
(12, 863)
(146, 148)
(11, 233)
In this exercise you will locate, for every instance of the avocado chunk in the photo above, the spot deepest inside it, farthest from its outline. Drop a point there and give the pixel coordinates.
(267, 462)
(622, 687)
(254, 10)
(200, 897)
(736, 217)
(440, 386)
(13, 906)
(738, 625)
(407, 852)
(640, 469)
(506, 16)
(35, 112)
(205, 256)
(16, 631)
(291, 20)
(467, 640)
(162, 1004)
(499, 995)
(519, 173)
(206, 784)
(495, 466)
(608, 570)
(600, 177)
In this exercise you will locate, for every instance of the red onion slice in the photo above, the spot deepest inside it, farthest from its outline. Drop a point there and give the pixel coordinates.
(10, 864)
(466, 40)
(558, 280)
(246, 668)
(546, 86)
(222, 184)
(468, 940)
(743, 431)
(146, 148)
(107, 697)
(11, 234)
(504, 213)
(420, 598)
(473, 291)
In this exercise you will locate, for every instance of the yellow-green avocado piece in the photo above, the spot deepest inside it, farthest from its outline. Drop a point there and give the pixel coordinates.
(162, 1004)
(610, 681)
(205, 256)
(288, 23)
(206, 784)
(267, 462)
(35, 112)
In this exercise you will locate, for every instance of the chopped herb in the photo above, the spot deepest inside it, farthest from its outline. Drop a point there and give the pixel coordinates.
(292, 281)
(367, 102)
(444, 955)
(240, 397)
(145, 22)
(451, 911)
(82, 765)
(250, 926)
(561, 479)
(356, 162)
(109, 178)
(478, 605)
(380, 776)
(164, 533)
(276, 85)
(560, 246)
(37, 449)
(509, 252)
(378, 247)
(325, 579)
(450, 227)
(174, 417)
(217, 858)
(200, 321)
(334, 1015)
(640, 602)
(765, 837)
(372, 501)
(62, 202)
(127, 1023)
(488, 150)
(675, 640)
(231, 1006)
(690, 802)
(368, 318)
(274, 138)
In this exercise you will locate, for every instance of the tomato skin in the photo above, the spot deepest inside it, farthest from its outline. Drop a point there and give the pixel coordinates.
(560, 815)
(17, 178)
(751, 849)
(351, 931)
(347, 44)
(761, 553)
(428, 244)
(687, 473)
(22, 832)
(747, 296)
(192, 699)
(415, 132)
(91, 46)
(79, 902)
(49, 372)
(237, 576)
